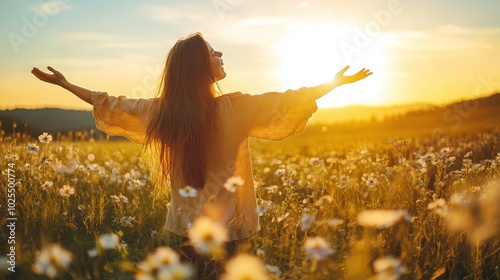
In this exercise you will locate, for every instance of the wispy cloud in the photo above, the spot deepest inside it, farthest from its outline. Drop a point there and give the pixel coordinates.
(444, 39)
(52, 7)
(109, 40)
(171, 13)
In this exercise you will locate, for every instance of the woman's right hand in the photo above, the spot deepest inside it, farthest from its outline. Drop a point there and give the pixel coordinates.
(57, 78)
(341, 79)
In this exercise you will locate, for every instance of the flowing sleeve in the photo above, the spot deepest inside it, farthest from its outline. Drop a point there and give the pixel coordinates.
(122, 116)
(273, 115)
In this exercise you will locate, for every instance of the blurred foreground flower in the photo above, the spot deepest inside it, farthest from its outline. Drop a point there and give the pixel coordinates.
(233, 183)
(109, 241)
(245, 267)
(274, 270)
(207, 236)
(52, 260)
(317, 248)
(335, 222)
(477, 217)
(382, 218)
(306, 221)
(439, 207)
(188, 191)
(163, 264)
(388, 268)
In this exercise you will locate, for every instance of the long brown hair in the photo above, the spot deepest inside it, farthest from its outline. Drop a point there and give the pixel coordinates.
(184, 120)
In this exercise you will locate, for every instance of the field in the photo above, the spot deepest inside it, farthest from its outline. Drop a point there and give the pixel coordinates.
(382, 206)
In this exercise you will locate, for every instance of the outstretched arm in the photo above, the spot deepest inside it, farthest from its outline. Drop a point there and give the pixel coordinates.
(58, 79)
(338, 80)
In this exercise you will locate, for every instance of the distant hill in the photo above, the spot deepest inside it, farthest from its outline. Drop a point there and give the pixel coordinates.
(36, 121)
(484, 110)
(363, 113)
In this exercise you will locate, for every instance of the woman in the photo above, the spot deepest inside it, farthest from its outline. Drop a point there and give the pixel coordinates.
(202, 138)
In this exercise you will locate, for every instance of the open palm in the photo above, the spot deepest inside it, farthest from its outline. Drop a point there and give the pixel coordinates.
(57, 78)
(342, 79)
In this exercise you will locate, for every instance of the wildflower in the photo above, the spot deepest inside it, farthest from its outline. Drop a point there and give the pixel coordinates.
(188, 191)
(92, 252)
(273, 270)
(163, 264)
(163, 256)
(207, 236)
(11, 157)
(331, 160)
(65, 170)
(478, 168)
(335, 222)
(314, 161)
(397, 143)
(476, 189)
(260, 252)
(306, 221)
(280, 172)
(176, 271)
(45, 138)
(381, 218)
(233, 183)
(458, 199)
(388, 268)
(445, 151)
(439, 206)
(246, 267)
(467, 163)
(91, 157)
(272, 189)
(343, 181)
(52, 260)
(261, 210)
(323, 199)
(421, 165)
(317, 248)
(125, 221)
(371, 182)
(119, 198)
(109, 241)
(46, 185)
(33, 148)
(66, 191)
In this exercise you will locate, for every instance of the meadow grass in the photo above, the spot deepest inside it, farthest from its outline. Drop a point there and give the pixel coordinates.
(439, 222)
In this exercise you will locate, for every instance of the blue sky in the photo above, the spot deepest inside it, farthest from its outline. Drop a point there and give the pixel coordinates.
(420, 51)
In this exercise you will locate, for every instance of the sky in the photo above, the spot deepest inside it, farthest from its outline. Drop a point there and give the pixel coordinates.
(421, 51)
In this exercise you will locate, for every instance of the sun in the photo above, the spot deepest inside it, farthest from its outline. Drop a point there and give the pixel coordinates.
(310, 55)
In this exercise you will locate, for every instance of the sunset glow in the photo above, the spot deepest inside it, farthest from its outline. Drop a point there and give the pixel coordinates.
(419, 51)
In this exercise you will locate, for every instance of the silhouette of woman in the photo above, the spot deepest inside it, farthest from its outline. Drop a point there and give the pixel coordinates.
(202, 137)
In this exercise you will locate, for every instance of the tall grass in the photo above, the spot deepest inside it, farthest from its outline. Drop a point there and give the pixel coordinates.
(304, 190)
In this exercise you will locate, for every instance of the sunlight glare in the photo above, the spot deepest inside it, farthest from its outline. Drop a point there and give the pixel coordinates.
(310, 55)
